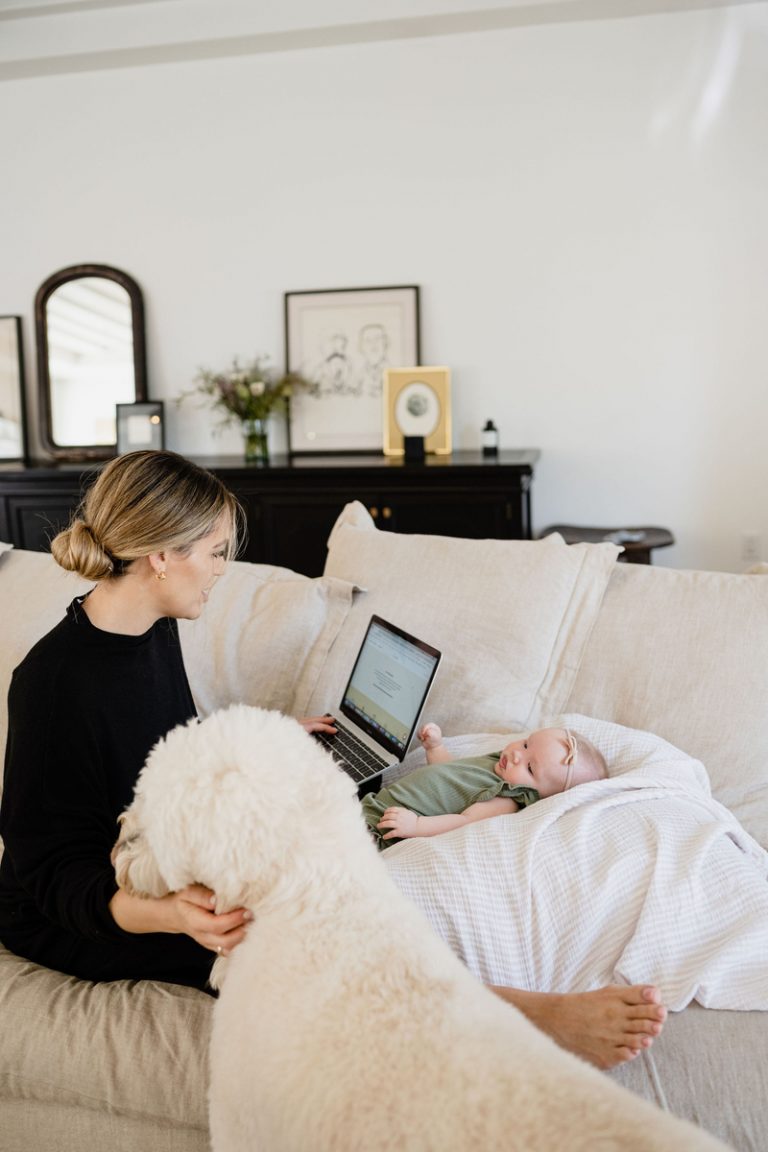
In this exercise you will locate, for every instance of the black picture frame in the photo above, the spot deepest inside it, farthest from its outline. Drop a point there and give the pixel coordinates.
(140, 426)
(342, 340)
(14, 445)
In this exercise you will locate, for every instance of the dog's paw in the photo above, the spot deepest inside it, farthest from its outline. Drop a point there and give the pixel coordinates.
(216, 978)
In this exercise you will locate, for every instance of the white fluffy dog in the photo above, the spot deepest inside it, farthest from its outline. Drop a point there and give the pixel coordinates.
(344, 1024)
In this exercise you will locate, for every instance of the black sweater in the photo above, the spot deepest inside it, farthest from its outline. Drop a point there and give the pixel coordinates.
(84, 709)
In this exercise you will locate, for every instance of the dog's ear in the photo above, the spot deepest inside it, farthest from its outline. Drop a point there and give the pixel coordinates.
(136, 868)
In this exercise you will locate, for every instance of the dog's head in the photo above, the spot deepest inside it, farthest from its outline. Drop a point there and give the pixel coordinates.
(242, 802)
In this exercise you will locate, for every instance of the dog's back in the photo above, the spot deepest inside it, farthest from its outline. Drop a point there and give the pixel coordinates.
(330, 1040)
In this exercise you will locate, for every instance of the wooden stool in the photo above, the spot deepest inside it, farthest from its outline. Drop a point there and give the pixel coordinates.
(638, 543)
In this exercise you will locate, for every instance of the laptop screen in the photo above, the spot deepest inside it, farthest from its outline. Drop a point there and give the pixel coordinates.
(389, 684)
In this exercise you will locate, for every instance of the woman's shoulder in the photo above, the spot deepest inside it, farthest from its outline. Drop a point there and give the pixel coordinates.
(47, 653)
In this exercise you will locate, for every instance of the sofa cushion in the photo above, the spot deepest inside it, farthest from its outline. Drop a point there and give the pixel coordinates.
(262, 627)
(685, 655)
(708, 1067)
(510, 616)
(136, 1049)
(35, 593)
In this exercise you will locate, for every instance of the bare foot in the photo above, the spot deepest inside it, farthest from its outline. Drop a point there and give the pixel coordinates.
(605, 1027)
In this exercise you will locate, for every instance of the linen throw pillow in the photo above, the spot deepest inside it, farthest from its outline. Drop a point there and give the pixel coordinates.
(35, 594)
(685, 655)
(263, 638)
(262, 630)
(510, 616)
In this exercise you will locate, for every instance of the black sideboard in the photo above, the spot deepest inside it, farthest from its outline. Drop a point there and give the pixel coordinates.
(292, 502)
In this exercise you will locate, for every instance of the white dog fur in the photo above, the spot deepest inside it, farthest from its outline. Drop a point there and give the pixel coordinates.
(344, 1023)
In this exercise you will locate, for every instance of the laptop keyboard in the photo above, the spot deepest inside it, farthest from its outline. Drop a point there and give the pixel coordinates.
(354, 757)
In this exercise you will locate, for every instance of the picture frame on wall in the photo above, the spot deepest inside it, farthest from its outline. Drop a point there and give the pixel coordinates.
(140, 426)
(342, 341)
(417, 405)
(13, 416)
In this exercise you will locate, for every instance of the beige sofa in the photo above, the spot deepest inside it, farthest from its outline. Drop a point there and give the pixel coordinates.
(529, 630)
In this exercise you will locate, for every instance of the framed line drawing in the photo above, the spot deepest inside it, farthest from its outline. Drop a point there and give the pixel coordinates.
(13, 420)
(417, 402)
(343, 341)
(139, 426)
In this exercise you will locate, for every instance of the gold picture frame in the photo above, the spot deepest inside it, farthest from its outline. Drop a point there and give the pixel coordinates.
(417, 402)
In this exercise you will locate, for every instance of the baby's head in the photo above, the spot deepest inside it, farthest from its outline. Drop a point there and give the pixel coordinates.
(551, 760)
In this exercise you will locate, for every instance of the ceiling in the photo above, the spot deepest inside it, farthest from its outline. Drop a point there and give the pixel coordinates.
(60, 36)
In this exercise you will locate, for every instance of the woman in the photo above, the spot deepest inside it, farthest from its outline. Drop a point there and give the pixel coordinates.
(86, 706)
(88, 703)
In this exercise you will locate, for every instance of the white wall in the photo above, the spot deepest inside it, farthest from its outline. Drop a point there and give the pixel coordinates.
(584, 205)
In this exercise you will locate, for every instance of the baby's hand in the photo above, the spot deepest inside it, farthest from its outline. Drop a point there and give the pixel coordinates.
(431, 736)
(401, 822)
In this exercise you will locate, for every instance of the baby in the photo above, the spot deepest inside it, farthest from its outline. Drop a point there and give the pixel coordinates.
(445, 793)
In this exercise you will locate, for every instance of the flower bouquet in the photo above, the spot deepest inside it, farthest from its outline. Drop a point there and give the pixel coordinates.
(246, 394)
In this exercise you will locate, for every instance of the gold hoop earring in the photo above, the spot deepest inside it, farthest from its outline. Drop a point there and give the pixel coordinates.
(159, 575)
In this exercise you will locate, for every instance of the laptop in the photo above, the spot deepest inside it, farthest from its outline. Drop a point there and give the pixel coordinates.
(382, 702)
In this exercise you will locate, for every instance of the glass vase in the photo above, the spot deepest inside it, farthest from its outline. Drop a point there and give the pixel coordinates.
(255, 441)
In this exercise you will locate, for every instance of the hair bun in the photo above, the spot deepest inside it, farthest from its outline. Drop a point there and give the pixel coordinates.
(77, 550)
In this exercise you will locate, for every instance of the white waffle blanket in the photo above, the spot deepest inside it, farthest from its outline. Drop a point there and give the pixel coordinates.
(639, 878)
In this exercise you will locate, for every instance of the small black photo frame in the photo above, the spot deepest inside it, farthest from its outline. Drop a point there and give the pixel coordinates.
(140, 426)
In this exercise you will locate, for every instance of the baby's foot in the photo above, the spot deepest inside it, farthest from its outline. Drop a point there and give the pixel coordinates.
(431, 736)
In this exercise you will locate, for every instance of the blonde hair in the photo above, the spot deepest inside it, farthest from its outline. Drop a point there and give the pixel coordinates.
(145, 502)
(584, 761)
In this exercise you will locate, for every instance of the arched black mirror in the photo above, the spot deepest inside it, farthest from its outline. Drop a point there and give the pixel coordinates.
(90, 355)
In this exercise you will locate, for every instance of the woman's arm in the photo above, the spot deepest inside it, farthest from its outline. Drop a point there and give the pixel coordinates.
(404, 824)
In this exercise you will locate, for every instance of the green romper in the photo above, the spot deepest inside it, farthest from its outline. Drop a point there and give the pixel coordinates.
(438, 789)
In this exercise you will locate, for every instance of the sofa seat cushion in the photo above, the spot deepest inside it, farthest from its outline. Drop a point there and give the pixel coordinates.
(132, 1049)
(685, 655)
(708, 1067)
(510, 616)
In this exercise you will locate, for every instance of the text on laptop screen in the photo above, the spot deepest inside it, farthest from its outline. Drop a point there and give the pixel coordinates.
(388, 683)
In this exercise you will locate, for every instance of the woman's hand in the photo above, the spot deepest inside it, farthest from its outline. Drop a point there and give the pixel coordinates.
(318, 724)
(194, 909)
(401, 822)
(190, 911)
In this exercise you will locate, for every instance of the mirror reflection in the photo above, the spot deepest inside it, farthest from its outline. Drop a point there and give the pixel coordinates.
(91, 357)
